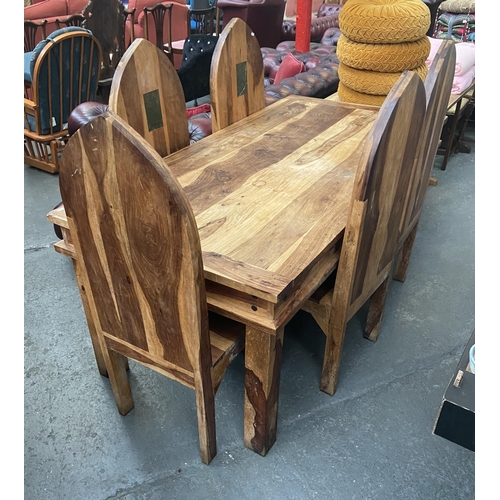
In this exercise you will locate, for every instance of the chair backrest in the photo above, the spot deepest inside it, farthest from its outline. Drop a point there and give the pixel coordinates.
(147, 93)
(65, 72)
(382, 179)
(161, 15)
(194, 72)
(204, 21)
(30, 33)
(72, 20)
(136, 237)
(106, 20)
(437, 85)
(236, 76)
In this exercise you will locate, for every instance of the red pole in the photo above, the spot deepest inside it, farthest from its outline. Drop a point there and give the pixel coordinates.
(303, 33)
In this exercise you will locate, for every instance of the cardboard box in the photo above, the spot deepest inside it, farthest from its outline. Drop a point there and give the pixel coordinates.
(456, 417)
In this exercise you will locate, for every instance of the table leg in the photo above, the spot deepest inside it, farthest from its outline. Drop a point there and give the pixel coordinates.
(262, 380)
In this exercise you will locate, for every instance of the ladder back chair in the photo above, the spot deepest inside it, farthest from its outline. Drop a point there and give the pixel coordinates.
(159, 14)
(437, 86)
(236, 76)
(146, 289)
(147, 93)
(373, 225)
(64, 72)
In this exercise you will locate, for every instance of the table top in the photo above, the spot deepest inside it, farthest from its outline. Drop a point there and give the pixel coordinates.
(273, 188)
(271, 193)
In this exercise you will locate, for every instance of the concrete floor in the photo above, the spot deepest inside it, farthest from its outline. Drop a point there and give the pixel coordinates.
(372, 440)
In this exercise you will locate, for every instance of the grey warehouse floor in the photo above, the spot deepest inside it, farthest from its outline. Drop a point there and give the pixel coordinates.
(372, 440)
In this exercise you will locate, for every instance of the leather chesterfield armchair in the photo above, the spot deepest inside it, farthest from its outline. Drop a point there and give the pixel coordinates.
(264, 17)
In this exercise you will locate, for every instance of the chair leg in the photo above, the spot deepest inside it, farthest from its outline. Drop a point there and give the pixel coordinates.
(333, 352)
(403, 256)
(375, 311)
(116, 365)
(205, 408)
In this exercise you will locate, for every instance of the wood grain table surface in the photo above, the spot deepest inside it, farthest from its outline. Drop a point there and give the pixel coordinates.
(271, 195)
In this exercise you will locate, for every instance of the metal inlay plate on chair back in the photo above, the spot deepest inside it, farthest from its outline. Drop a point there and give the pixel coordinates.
(236, 76)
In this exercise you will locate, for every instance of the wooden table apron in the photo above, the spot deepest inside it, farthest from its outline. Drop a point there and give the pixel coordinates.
(271, 195)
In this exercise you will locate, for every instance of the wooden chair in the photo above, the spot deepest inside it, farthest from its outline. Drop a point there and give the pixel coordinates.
(64, 72)
(160, 14)
(154, 106)
(437, 86)
(236, 76)
(373, 225)
(30, 33)
(72, 20)
(146, 288)
(205, 21)
(108, 22)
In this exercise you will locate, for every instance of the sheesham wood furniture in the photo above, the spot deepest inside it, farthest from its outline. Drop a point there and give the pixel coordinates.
(373, 227)
(142, 267)
(65, 73)
(437, 86)
(236, 76)
(283, 175)
(160, 14)
(152, 107)
(437, 90)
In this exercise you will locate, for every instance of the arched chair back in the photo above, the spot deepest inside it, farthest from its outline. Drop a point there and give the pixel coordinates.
(236, 76)
(437, 85)
(373, 227)
(142, 268)
(64, 72)
(147, 93)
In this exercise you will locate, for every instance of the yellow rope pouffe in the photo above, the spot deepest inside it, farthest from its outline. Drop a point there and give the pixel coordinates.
(383, 57)
(384, 21)
(373, 82)
(348, 95)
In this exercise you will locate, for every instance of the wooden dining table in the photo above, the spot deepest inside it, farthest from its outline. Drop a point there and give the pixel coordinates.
(271, 196)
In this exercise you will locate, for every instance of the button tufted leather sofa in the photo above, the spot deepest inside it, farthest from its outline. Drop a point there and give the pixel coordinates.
(327, 17)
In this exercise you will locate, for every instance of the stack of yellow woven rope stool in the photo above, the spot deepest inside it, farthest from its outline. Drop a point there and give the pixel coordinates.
(380, 39)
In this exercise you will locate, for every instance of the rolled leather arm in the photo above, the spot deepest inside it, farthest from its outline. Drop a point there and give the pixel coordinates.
(318, 27)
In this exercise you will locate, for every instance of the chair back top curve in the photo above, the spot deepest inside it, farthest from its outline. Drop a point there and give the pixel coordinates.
(236, 76)
(438, 84)
(71, 20)
(65, 70)
(136, 236)
(30, 33)
(380, 189)
(147, 93)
